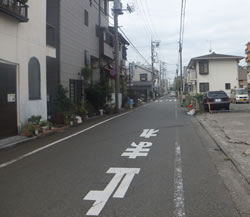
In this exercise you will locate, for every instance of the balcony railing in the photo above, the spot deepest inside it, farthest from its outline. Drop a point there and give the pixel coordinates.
(15, 8)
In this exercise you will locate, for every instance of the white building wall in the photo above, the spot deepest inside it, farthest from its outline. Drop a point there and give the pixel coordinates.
(220, 73)
(19, 42)
(141, 70)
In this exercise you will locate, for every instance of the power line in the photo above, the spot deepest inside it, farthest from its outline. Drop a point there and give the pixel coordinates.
(144, 20)
(150, 17)
(125, 36)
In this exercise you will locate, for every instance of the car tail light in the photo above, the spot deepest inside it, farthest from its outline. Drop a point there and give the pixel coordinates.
(227, 99)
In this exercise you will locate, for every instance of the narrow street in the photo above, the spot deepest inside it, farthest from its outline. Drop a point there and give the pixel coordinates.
(150, 162)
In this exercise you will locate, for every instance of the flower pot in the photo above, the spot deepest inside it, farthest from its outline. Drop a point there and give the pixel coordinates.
(36, 131)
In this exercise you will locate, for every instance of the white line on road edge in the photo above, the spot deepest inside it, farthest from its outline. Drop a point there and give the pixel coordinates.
(178, 184)
(56, 142)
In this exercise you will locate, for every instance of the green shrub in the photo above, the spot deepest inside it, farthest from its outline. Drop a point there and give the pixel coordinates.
(45, 123)
(27, 130)
(81, 110)
(35, 120)
(98, 94)
(62, 102)
(108, 109)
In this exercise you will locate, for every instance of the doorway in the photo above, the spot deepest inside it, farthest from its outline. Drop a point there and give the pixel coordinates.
(8, 105)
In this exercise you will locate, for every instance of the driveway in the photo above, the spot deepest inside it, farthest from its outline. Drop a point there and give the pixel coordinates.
(239, 107)
(231, 132)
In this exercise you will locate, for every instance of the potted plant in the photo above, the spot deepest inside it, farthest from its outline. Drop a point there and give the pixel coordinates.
(45, 125)
(35, 121)
(27, 130)
(81, 110)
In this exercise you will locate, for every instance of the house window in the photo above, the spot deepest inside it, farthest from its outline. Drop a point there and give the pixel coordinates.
(204, 87)
(203, 67)
(105, 8)
(228, 86)
(34, 79)
(143, 77)
(86, 17)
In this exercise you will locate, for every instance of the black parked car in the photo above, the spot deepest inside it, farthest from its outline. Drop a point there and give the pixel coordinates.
(216, 99)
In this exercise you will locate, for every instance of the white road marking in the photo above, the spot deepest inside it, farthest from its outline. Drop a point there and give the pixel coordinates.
(56, 142)
(102, 197)
(161, 100)
(178, 184)
(137, 150)
(156, 101)
(175, 100)
(147, 133)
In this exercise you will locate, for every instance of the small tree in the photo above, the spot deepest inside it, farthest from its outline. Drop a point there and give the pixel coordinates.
(87, 75)
(98, 94)
(63, 106)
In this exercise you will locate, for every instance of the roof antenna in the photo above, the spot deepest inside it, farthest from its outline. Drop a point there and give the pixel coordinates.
(210, 46)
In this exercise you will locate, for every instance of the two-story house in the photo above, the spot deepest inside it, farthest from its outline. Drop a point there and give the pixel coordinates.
(22, 63)
(141, 82)
(79, 26)
(213, 72)
(84, 39)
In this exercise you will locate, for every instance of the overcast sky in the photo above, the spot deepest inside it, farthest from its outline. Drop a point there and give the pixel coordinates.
(222, 25)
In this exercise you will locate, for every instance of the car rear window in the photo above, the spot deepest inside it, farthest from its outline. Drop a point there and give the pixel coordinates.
(217, 94)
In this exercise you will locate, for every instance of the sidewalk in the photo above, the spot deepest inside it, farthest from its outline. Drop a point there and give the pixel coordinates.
(11, 141)
(231, 132)
(15, 140)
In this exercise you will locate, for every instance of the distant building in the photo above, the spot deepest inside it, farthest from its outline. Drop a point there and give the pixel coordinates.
(243, 77)
(213, 72)
(141, 83)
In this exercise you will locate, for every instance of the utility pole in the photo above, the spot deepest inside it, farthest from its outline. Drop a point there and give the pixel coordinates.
(153, 71)
(154, 44)
(117, 11)
(183, 6)
(181, 85)
(99, 27)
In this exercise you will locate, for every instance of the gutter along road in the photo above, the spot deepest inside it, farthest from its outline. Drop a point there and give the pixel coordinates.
(151, 162)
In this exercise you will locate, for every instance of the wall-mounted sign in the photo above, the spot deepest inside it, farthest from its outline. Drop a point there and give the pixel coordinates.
(11, 97)
(112, 72)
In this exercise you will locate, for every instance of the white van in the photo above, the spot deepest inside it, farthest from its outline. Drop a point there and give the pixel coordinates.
(239, 95)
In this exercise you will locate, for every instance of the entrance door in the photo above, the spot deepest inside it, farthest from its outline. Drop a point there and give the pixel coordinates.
(8, 106)
(75, 90)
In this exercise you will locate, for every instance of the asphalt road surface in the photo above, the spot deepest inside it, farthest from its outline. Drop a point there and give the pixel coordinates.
(150, 162)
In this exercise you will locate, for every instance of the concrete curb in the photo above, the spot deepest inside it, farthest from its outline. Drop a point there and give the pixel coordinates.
(11, 144)
(218, 142)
